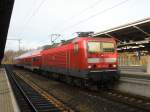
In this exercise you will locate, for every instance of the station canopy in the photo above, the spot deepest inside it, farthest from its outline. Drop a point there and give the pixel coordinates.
(6, 7)
(131, 37)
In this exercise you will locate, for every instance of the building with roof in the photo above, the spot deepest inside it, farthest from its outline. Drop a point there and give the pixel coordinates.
(133, 42)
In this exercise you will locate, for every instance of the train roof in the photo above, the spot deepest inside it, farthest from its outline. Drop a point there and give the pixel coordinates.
(37, 52)
(75, 40)
(32, 53)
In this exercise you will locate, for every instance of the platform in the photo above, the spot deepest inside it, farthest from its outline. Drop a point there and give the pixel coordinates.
(134, 71)
(140, 75)
(7, 99)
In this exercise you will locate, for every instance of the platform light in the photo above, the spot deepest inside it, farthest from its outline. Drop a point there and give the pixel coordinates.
(143, 42)
(129, 47)
(141, 46)
(124, 41)
(118, 49)
(147, 38)
(145, 51)
(124, 48)
(134, 47)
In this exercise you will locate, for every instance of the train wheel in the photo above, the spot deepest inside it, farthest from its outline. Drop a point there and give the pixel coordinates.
(85, 83)
(77, 82)
(89, 84)
(82, 83)
(68, 79)
(72, 81)
(63, 78)
(99, 85)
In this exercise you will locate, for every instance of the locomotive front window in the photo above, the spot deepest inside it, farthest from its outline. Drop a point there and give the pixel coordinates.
(94, 47)
(108, 47)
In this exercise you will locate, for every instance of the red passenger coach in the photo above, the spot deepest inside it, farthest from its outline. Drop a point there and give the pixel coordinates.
(30, 60)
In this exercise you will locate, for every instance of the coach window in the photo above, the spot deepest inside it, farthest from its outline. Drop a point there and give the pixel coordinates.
(76, 48)
(35, 59)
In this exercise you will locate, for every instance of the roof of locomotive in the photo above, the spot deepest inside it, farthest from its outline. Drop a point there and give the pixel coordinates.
(96, 38)
(78, 39)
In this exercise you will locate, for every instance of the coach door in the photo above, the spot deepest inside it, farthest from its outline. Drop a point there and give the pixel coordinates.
(68, 60)
(73, 58)
(76, 57)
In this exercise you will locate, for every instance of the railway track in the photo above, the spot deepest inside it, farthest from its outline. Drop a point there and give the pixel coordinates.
(136, 80)
(32, 98)
(138, 102)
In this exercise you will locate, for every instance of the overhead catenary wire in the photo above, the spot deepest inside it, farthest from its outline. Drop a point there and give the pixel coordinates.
(28, 11)
(92, 16)
(85, 10)
(91, 6)
(41, 41)
(96, 14)
(32, 15)
(46, 40)
(81, 12)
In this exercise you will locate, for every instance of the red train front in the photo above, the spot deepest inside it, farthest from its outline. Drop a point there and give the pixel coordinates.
(102, 59)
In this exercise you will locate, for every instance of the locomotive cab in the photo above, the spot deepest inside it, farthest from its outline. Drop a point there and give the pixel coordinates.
(101, 55)
(102, 60)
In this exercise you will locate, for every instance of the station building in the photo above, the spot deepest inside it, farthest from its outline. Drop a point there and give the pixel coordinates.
(133, 44)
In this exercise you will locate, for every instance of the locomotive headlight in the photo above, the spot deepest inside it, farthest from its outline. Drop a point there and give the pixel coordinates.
(114, 65)
(89, 66)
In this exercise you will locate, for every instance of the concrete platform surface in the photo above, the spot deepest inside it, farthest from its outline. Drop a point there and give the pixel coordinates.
(7, 99)
(136, 86)
(135, 68)
(141, 75)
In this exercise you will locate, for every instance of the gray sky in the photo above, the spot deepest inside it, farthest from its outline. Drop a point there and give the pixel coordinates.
(34, 20)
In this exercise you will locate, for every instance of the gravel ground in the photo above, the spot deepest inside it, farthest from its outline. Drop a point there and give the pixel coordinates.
(76, 97)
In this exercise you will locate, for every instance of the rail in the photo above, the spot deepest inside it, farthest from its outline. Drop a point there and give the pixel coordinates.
(32, 96)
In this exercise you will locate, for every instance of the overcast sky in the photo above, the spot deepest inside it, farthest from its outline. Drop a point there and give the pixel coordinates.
(34, 21)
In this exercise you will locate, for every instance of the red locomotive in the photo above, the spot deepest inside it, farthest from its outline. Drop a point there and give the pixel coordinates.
(88, 58)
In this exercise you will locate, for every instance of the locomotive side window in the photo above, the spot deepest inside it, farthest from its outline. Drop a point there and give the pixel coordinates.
(76, 48)
(108, 47)
(94, 47)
